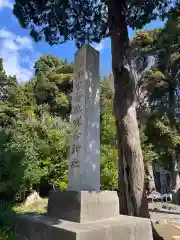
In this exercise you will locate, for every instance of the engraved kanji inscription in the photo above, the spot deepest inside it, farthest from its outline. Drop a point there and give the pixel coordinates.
(75, 163)
(76, 135)
(77, 122)
(78, 84)
(77, 108)
(79, 95)
(76, 149)
(80, 73)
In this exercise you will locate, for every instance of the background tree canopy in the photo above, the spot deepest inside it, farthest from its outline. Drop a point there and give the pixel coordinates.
(58, 21)
(34, 130)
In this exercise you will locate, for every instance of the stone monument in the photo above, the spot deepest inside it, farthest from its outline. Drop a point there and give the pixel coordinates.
(83, 212)
(84, 159)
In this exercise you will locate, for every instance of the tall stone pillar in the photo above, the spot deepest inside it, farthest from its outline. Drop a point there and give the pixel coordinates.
(84, 156)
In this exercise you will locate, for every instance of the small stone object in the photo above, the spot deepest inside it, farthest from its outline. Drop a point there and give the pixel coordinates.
(32, 198)
(161, 221)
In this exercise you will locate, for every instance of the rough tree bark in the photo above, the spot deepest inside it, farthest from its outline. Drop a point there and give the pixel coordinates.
(175, 179)
(131, 167)
(143, 113)
(150, 177)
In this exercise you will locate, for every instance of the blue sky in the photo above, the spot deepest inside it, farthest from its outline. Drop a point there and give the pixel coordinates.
(19, 51)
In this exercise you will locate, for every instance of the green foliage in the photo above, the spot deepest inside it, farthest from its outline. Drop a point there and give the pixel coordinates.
(34, 131)
(162, 132)
(109, 176)
(52, 83)
(149, 153)
(56, 21)
(6, 221)
(109, 153)
(8, 84)
(33, 142)
(11, 171)
(36, 150)
(142, 39)
(47, 63)
(39, 206)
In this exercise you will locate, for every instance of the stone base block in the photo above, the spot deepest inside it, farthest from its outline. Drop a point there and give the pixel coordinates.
(83, 206)
(41, 227)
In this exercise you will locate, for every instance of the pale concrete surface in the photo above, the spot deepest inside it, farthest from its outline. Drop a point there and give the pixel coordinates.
(39, 227)
(83, 206)
(84, 154)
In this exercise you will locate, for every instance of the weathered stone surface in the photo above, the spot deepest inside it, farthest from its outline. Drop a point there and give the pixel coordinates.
(39, 227)
(84, 155)
(83, 206)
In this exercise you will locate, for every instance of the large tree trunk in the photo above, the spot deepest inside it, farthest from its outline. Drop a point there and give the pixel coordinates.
(131, 167)
(175, 181)
(143, 113)
(150, 177)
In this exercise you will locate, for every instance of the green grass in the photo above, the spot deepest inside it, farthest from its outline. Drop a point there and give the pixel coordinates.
(7, 235)
(38, 206)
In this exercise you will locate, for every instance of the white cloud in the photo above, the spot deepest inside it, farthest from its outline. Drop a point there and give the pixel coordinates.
(13, 67)
(102, 45)
(14, 41)
(6, 4)
(24, 42)
(11, 49)
(5, 34)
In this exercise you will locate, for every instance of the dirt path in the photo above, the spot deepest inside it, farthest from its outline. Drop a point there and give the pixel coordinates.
(168, 231)
(166, 221)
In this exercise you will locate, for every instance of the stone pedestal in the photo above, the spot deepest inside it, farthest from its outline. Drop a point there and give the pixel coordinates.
(83, 206)
(38, 227)
(82, 216)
